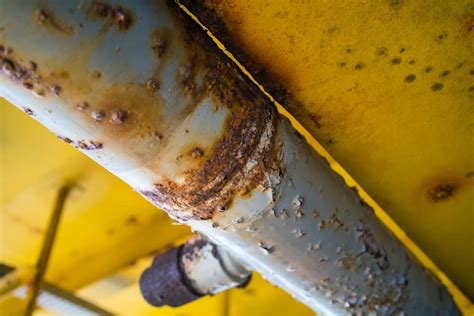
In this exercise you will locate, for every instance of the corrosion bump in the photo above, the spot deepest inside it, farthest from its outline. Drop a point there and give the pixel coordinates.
(91, 145)
(122, 18)
(28, 85)
(82, 106)
(158, 43)
(7, 67)
(55, 89)
(441, 192)
(98, 115)
(158, 135)
(437, 86)
(33, 65)
(118, 117)
(28, 111)
(197, 152)
(382, 51)
(82, 144)
(95, 145)
(96, 74)
(152, 86)
(396, 61)
(410, 78)
(67, 140)
(41, 15)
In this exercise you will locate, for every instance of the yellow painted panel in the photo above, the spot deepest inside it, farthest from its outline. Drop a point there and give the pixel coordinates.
(11, 306)
(105, 226)
(387, 87)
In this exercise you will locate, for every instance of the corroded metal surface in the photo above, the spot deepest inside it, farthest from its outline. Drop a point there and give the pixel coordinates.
(314, 236)
(182, 127)
(114, 110)
(386, 87)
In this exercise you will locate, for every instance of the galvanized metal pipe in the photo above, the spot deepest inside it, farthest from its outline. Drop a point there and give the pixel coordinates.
(138, 89)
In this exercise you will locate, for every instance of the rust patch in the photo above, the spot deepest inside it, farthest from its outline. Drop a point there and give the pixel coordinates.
(96, 74)
(118, 117)
(67, 140)
(443, 187)
(244, 155)
(28, 111)
(25, 73)
(123, 18)
(119, 16)
(316, 119)
(81, 144)
(186, 75)
(46, 18)
(152, 86)
(196, 152)
(131, 220)
(441, 192)
(98, 116)
(158, 42)
(372, 247)
(88, 145)
(468, 24)
(55, 89)
(82, 106)
(99, 9)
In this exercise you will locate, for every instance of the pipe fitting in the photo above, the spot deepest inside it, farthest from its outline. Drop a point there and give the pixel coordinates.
(190, 271)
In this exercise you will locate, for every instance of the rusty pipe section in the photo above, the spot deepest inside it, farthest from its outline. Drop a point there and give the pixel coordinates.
(187, 272)
(142, 91)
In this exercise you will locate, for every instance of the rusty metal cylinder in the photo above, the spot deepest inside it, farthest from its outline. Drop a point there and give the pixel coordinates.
(185, 273)
(138, 88)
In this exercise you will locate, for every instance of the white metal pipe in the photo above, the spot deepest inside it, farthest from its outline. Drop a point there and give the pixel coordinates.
(135, 87)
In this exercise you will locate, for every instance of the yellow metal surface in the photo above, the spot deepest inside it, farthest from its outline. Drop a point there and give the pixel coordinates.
(387, 88)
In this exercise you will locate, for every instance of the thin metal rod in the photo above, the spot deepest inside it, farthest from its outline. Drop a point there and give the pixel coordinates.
(43, 259)
(226, 303)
